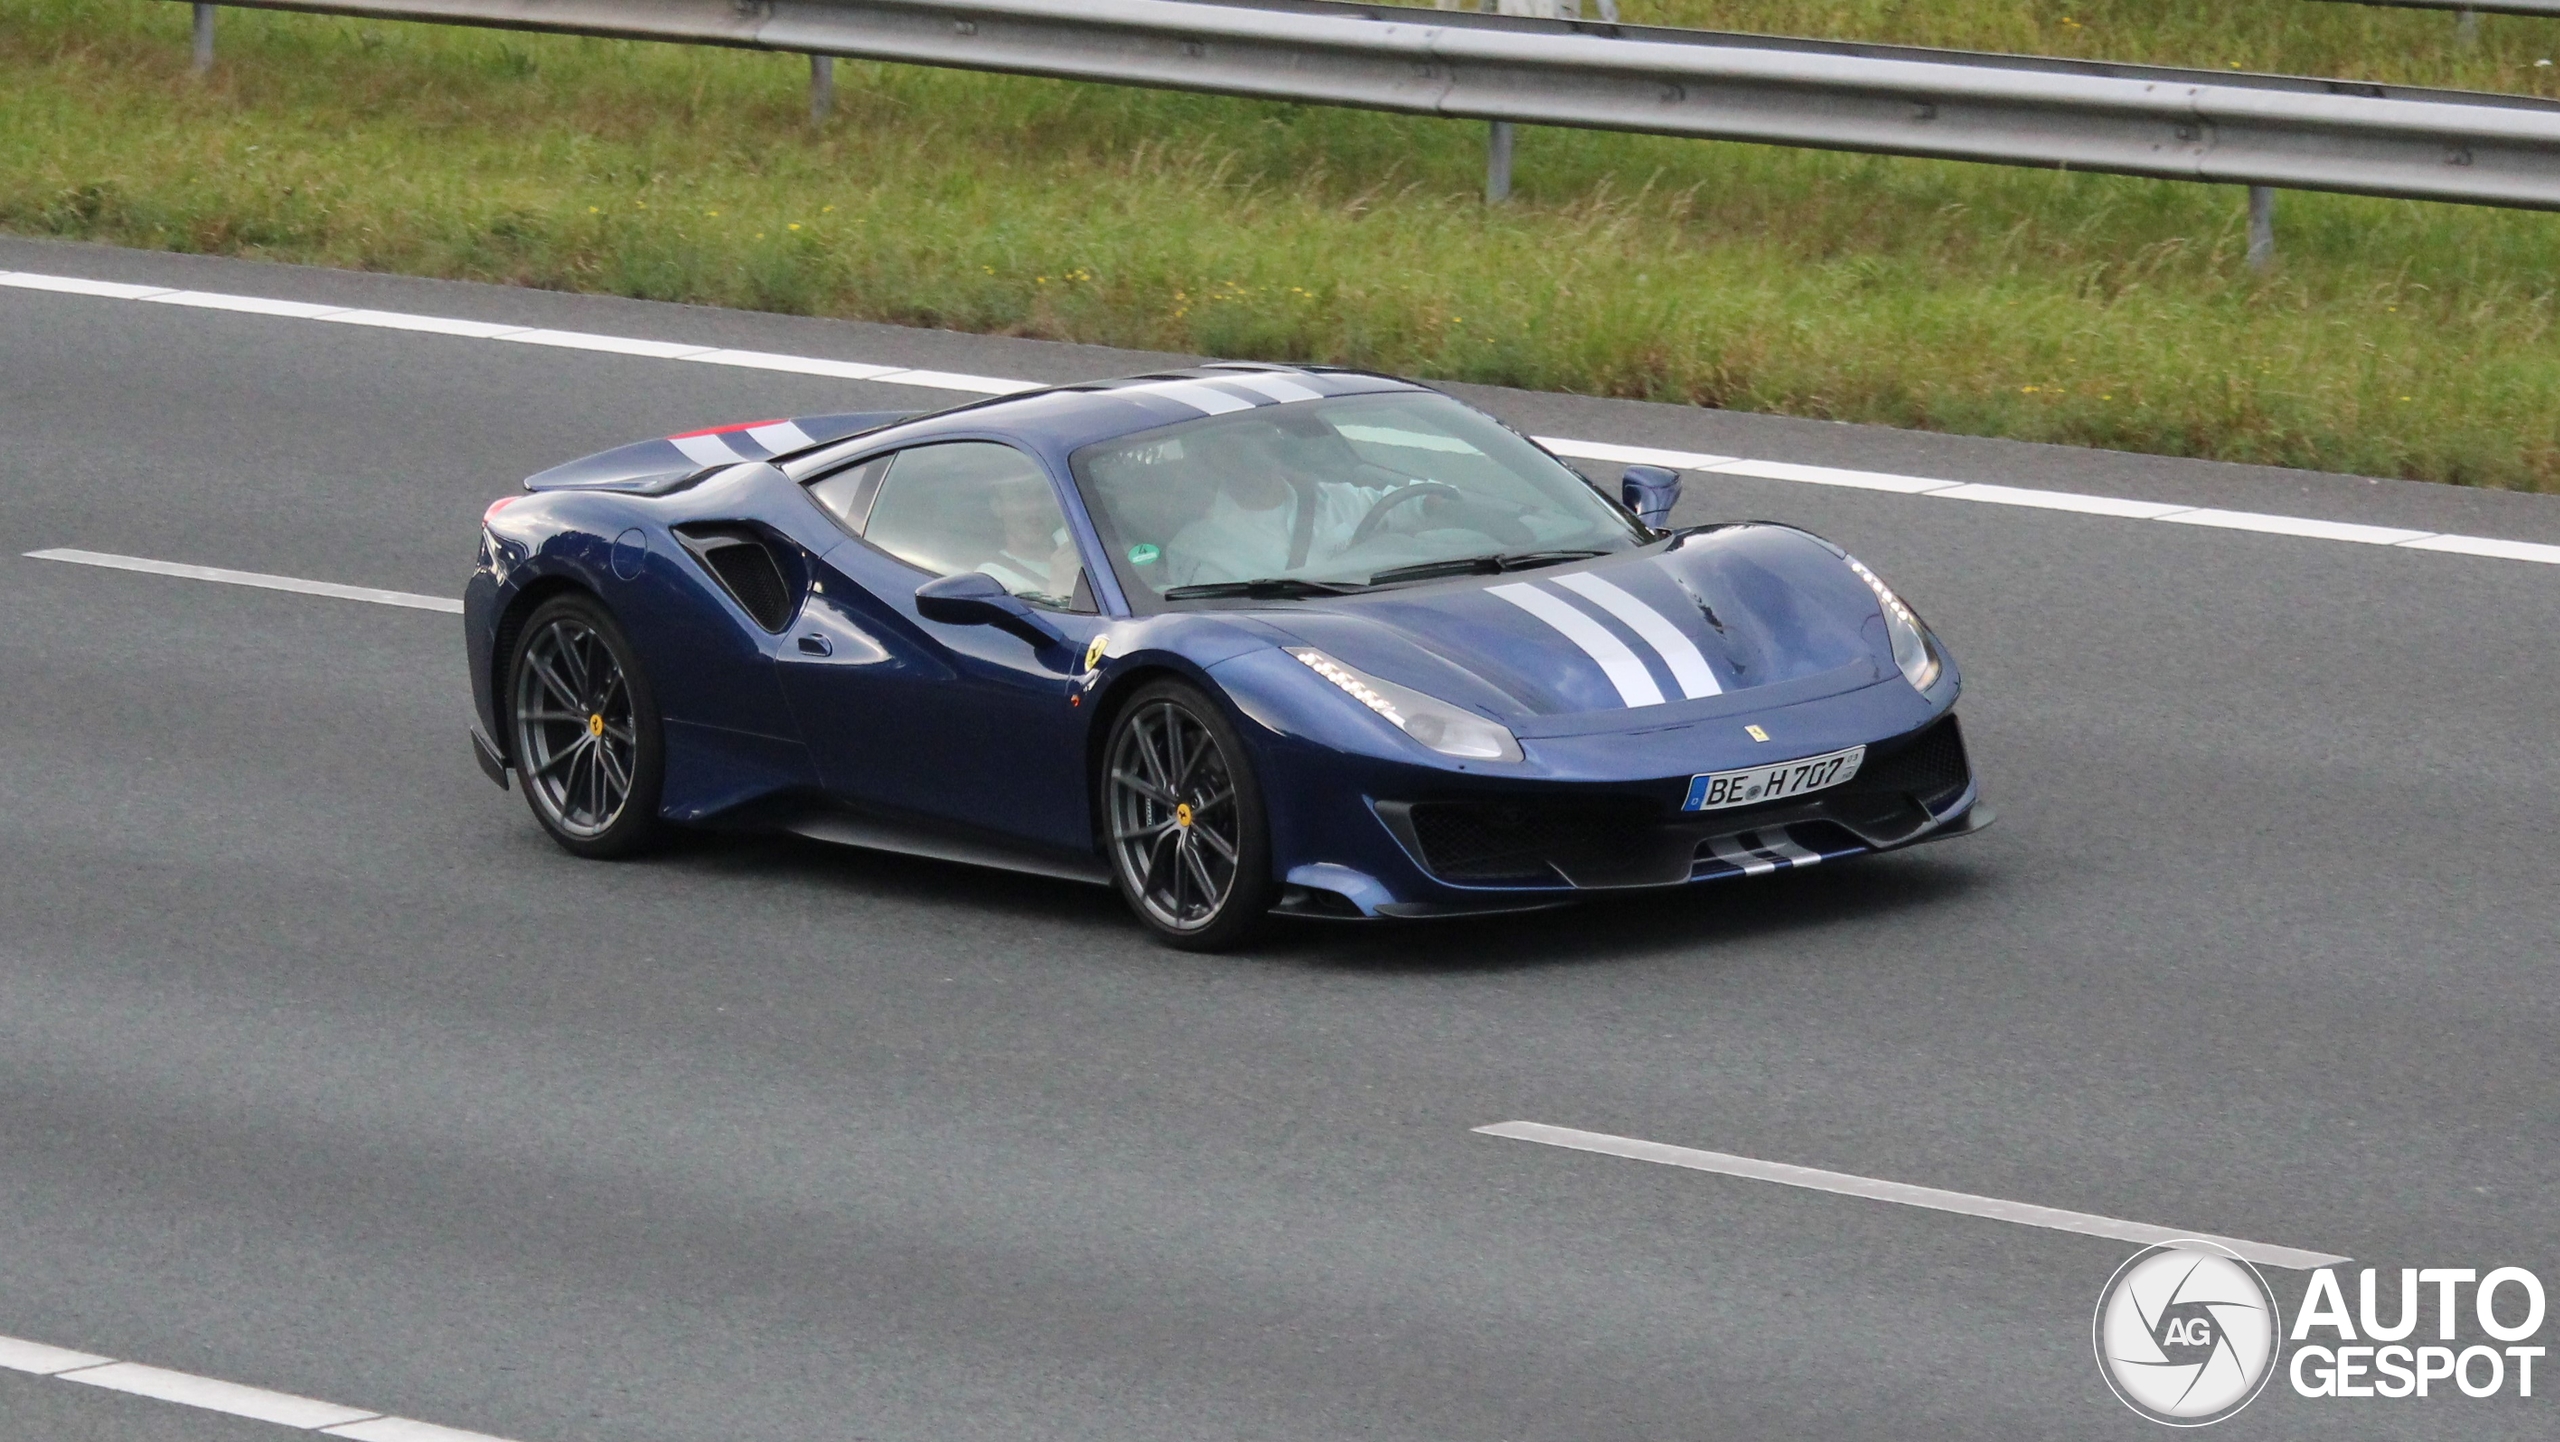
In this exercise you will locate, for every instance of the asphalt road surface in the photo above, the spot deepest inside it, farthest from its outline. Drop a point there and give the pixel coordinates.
(321, 1070)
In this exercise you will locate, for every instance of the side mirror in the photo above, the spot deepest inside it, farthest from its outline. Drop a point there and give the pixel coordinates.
(1650, 492)
(974, 598)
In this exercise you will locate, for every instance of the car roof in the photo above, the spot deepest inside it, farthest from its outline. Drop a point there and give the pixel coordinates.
(1069, 417)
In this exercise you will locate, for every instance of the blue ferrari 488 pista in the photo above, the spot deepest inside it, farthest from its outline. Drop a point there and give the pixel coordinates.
(1237, 640)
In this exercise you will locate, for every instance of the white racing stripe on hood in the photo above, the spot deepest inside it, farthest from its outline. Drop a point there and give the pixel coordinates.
(1678, 652)
(1634, 682)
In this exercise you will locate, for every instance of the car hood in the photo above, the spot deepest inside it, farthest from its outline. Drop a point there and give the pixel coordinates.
(1723, 619)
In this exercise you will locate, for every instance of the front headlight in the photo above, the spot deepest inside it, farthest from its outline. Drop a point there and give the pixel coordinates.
(1911, 649)
(1449, 730)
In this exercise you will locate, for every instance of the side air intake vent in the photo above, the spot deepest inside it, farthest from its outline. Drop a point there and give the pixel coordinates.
(746, 565)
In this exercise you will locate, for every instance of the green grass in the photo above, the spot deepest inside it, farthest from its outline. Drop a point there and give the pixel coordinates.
(2393, 339)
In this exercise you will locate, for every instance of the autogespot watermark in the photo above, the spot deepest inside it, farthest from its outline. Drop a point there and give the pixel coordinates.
(2189, 1333)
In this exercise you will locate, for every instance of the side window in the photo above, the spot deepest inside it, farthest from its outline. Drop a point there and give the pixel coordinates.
(977, 506)
(847, 494)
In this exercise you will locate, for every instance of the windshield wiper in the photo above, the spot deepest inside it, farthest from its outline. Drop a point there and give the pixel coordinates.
(1480, 565)
(1266, 588)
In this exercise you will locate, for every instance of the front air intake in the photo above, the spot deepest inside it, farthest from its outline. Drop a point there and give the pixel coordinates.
(745, 565)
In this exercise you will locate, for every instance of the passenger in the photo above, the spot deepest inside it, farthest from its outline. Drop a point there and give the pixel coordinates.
(1039, 556)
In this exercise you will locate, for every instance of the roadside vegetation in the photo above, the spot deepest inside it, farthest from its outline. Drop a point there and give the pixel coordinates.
(2390, 339)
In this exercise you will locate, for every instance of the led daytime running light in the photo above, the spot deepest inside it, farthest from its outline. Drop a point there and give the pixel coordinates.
(1358, 689)
(1884, 594)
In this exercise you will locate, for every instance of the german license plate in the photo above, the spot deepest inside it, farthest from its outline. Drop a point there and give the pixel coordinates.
(1775, 782)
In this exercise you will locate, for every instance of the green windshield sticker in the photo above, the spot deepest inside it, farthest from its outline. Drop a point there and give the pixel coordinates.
(1143, 554)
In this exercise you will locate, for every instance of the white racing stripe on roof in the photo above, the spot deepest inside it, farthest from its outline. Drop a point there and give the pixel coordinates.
(1634, 682)
(779, 437)
(1678, 652)
(1207, 400)
(1279, 388)
(706, 450)
(258, 579)
(2309, 528)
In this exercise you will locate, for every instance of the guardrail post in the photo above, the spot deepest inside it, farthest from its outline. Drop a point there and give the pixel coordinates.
(204, 39)
(1497, 163)
(822, 87)
(2262, 226)
(2466, 28)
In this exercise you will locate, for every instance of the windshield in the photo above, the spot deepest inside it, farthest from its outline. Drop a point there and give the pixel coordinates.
(1321, 496)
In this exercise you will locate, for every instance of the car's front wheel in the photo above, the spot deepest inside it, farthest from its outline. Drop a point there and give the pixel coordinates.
(1190, 850)
(588, 747)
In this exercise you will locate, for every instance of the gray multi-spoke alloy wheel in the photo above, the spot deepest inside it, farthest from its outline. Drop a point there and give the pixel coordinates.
(587, 745)
(1189, 847)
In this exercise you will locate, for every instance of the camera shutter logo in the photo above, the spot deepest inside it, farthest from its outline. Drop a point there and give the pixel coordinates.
(2187, 1333)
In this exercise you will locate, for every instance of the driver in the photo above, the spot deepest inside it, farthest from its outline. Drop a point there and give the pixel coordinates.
(1039, 557)
(1253, 527)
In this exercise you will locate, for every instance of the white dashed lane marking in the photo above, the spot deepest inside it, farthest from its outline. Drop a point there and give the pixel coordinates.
(211, 1394)
(2303, 527)
(2025, 1214)
(259, 579)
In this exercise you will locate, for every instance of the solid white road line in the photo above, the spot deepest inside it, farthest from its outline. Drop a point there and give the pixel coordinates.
(2305, 527)
(229, 1398)
(249, 578)
(188, 1390)
(2025, 1214)
(42, 1360)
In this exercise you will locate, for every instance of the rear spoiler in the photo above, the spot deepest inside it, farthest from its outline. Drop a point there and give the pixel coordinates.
(653, 468)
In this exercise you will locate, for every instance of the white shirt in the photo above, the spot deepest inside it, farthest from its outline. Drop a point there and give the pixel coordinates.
(1232, 543)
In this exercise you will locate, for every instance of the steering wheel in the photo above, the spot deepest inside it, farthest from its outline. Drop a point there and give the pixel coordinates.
(1377, 516)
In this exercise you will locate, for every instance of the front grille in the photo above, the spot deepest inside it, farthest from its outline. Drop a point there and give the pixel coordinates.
(1896, 797)
(1526, 841)
(1930, 769)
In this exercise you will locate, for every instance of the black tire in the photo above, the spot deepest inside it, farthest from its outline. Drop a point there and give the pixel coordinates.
(1183, 821)
(583, 728)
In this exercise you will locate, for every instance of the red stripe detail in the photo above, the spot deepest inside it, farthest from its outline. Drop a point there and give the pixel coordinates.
(724, 430)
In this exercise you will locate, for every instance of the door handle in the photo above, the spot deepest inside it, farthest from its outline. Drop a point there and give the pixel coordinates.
(815, 645)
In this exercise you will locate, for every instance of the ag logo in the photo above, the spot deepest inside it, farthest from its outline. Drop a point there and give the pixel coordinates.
(2187, 1333)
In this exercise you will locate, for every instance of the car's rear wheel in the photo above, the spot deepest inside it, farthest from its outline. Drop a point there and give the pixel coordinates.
(588, 747)
(1190, 849)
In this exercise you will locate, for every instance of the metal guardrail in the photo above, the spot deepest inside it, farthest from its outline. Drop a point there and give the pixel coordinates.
(2174, 124)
